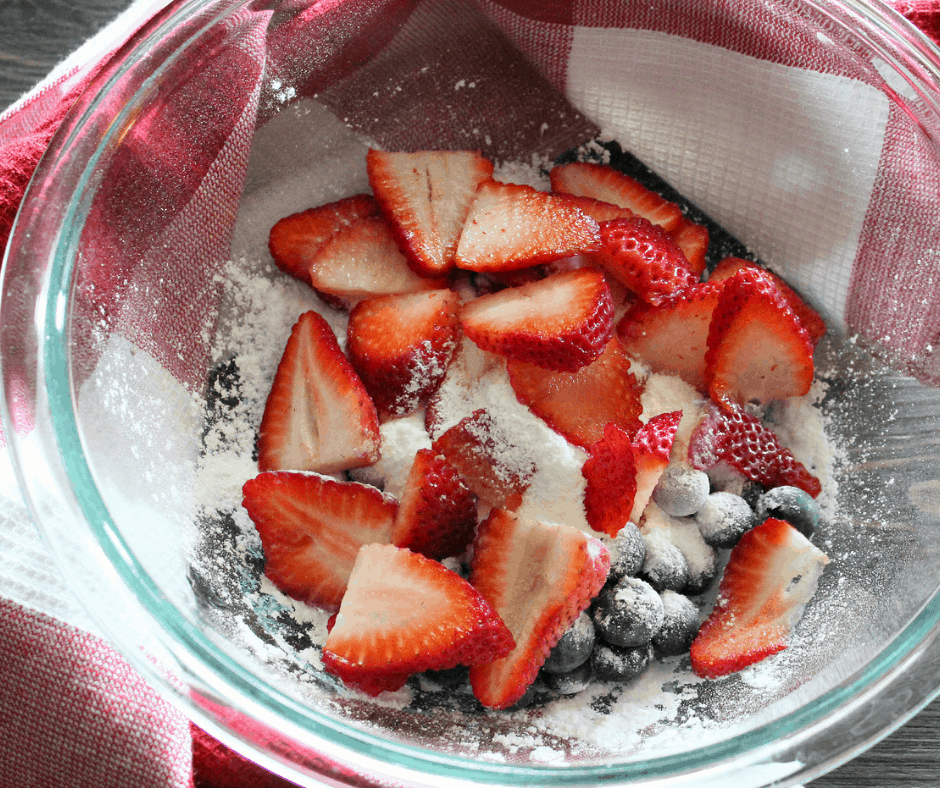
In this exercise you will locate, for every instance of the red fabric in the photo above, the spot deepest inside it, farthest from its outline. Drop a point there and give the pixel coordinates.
(68, 698)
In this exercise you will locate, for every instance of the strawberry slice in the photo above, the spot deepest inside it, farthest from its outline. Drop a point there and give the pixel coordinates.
(610, 473)
(513, 226)
(437, 513)
(692, 239)
(809, 317)
(404, 614)
(562, 322)
(757, 349)
(489, 465)
(673, 336)
(426, 197)
(401, 346)
(651, 449)
(311, 529)
(363, 261)
(604, 183)
(538, 577)
(318, 415)
(741, 440)
(598, 210)
(644, 258)
(295, 239)
(771, 575)
(578, 405)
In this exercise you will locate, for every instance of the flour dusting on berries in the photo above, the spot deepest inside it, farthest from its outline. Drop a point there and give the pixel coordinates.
(473, 395)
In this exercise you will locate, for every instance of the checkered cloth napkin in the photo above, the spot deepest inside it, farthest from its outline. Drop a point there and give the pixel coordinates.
(72, 712)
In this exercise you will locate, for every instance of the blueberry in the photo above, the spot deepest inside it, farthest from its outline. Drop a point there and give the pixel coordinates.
(681, 490)
(571, 682)
(664, 566)
(627, 553)
(791, 504)
(451, 678)
(629, 613)
(618, 663)
(724, 519)
(699, 556)
(680, 625)
(574, 647)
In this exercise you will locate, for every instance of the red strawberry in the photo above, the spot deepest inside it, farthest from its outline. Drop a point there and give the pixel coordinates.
(401, 346)
(538, 577)
(561, 322)
(692, 239)
(318, 416)
(578, 405)
(480, 453)
(403, 614)
(672, 337)
(295, 239)
(363, 261)
(426, 197)
(512, 226)
(311, 529)
(743, 442)
(757, 349)
(608, 185)
(651, 449)
(644, 258)
(598, 210)
(809, 317)
(771, 575)
(610, 473)
(437, 514)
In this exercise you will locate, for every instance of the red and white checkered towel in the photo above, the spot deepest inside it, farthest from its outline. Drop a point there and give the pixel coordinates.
(72, 712)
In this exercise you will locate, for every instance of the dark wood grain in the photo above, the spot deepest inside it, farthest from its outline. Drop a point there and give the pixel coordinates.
(36, 34)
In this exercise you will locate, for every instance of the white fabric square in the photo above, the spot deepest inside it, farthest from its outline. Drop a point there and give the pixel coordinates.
(783, 158)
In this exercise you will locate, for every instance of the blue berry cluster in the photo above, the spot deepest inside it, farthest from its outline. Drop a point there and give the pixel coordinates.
(649, 608)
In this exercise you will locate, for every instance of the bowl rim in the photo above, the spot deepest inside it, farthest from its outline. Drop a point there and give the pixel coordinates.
(224, 675)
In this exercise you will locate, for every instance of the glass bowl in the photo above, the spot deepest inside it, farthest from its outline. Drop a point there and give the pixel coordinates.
(137, 272)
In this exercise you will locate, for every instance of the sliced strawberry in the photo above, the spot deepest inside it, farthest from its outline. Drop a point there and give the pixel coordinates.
(610, 473)
(770, 577)
(651, 450)
(561, 322)
(401, 346)
(486, 462)
(512, 226)
(604, 183)
(809, 317)
(318, 415)
(311, 529)
(672, 337)
(757, 349)
(363, 261)
(692, 239)
(538, 577)
(644, 258)
(295, 239)
(578, 405)
(437, 513)
(742, 441)
(404, 614)
(598, 210)
(426, 197)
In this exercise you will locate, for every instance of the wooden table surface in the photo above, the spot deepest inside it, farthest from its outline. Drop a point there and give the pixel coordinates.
(36, 34)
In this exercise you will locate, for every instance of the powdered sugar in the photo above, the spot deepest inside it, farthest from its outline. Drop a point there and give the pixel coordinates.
(261, 306)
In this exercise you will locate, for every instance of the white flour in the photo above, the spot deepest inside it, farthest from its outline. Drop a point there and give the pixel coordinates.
(260, 308)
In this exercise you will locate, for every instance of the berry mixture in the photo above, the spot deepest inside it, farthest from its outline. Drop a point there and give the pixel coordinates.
(545, 522)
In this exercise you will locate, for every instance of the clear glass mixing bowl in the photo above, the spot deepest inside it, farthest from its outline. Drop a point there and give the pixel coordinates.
(219, 117)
